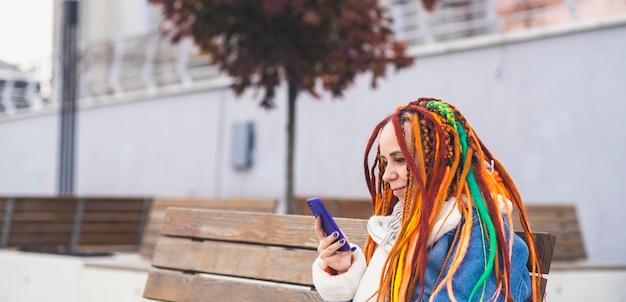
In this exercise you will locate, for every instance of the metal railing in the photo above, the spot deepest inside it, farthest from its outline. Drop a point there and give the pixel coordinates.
(20, 90)
(144, 64)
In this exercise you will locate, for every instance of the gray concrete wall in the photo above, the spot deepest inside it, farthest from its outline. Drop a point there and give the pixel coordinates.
(550, 109)
(178, 146)
(28, 154)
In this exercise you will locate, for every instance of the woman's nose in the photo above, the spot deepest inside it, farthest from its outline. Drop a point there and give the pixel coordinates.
(389, 174)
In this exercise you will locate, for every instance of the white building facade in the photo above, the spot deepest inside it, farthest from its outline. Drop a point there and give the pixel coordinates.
(547, 101)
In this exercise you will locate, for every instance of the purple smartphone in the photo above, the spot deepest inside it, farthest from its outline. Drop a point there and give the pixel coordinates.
(328, 223)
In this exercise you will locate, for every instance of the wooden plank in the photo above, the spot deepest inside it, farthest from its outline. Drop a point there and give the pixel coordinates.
(127, 238)
(252, 204)
(549, 207)
(43, 216)
(354, 208)
(341, 207)
(175, 286)
(570, 244)
(156, 216)
(52, 227)
(35, 239)
(287, 265)
(108, 216)
(107, 247)
(554, 220)
(44, 204)
(110, 226)
(276, 229)
(41, 227)
(117, 206)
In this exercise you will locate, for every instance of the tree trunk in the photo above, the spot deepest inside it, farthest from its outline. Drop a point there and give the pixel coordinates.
(292, 207)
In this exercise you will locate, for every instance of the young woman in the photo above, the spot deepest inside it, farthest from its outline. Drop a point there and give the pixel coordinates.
(441, 229)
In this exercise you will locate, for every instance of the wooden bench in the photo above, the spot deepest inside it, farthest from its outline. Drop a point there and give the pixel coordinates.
(562, 221)
(244, 256)
(558, 219)
(156, 216)
(72, 224)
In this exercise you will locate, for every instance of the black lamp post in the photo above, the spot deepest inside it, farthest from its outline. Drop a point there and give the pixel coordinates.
(68, 98)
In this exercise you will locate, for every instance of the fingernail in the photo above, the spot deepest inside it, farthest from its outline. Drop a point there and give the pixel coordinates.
(342, 241)
(335, 234)
(353, 248)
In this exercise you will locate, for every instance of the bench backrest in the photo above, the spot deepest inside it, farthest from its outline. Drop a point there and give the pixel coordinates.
(341, 207)
(156, 216)
(73, 223)
(560, 220)
(244, 256)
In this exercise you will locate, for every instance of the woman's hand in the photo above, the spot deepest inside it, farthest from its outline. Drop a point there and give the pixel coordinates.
(337, 260)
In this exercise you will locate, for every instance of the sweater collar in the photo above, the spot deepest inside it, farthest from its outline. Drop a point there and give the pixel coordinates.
(385, 229)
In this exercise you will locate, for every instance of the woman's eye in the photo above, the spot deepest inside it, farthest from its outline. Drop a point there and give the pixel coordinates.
(399, 160)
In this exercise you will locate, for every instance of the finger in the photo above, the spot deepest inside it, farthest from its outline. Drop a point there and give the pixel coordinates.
(333, 251)
(330, 246)
(327, 242)
(338, 244)
(318, 229)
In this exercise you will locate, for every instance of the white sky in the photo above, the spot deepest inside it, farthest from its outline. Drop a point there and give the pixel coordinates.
(25, 30)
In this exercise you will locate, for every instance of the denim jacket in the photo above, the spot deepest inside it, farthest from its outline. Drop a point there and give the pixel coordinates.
(472, 268)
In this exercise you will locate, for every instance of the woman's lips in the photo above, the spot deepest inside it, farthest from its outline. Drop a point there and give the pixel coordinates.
(398, 191)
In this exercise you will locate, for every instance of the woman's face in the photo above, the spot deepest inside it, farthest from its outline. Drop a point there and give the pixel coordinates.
(396, 173)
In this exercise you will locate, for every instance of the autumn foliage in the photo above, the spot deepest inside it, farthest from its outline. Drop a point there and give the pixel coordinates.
(311, 44)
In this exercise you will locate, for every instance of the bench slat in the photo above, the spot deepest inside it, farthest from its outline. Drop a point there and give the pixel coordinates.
(279, 230)
(255, 204)
(236, 259)
(156, 217)
(165, 285)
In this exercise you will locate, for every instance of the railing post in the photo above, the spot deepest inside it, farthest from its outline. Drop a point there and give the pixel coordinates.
(492, 15)
(8, 216)
(145, 211)
(423, 22)
(31, 87)
(571, 7)
(116, 64)
(77, 224)
(147, 71)
(183, 58)
(7, 96)
(85, 65)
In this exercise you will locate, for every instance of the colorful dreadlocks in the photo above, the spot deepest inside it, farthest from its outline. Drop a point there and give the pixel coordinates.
(445, 158)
